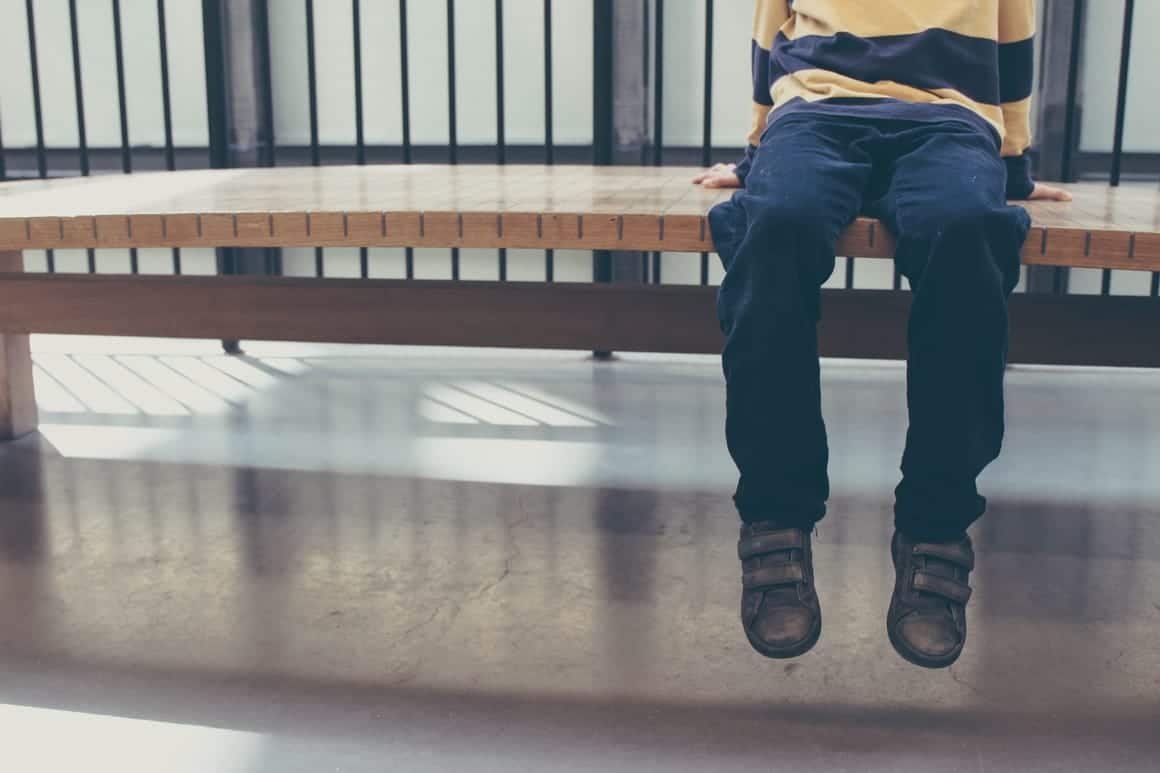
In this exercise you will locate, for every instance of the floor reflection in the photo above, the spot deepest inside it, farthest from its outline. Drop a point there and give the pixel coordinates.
(325, 546)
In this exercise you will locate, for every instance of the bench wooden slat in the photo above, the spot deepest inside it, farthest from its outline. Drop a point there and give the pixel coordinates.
(535, 207)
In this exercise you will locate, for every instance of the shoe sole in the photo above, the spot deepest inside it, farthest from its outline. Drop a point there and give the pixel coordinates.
(785, 653)
(922, 661)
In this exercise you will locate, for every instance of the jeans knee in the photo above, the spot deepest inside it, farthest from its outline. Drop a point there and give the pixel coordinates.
(975, 243)
(792, 219)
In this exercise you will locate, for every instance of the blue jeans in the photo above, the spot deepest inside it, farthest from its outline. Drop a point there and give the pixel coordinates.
(939, 188)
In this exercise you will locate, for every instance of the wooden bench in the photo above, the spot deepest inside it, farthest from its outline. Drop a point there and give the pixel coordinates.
(617, 208)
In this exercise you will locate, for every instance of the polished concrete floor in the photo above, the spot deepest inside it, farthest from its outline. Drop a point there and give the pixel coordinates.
(356, 559)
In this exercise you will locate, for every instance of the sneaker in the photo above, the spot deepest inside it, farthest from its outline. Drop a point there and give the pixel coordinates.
(927, 621)
(779, 606)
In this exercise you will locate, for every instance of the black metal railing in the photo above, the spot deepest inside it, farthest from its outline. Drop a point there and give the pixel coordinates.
(39, 160)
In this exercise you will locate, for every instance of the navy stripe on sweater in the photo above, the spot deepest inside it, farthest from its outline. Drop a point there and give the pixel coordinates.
(931, 59)
(761, 79)
(1016, 70)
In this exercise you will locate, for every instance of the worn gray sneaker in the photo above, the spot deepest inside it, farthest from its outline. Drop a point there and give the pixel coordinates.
(927, 620)
(779, 605)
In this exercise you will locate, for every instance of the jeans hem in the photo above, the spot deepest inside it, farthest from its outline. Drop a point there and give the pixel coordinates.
(804, 521)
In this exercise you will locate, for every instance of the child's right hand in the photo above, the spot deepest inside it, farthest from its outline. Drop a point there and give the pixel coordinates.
(720, 176)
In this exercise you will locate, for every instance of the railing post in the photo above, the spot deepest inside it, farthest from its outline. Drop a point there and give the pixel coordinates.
(239, 108)
(1060, 112)
(622, 130)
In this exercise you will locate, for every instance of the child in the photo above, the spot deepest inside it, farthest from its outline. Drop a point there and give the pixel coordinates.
(917, 113)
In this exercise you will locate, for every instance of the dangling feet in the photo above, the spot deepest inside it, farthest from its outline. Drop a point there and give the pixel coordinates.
(927, 621)
(779, 605)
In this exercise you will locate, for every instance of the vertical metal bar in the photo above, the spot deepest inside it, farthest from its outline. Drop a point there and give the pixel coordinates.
(549, 88)
(500, 101)
(405, 82)
(658, 129)
(167, 107)
(312, 95)
(312, 86)
(359, 127)
(707, 115)
(452, 106)
(82, 131)
(268, 150)
(405, 71)
(79, 90)
(268, 155)
(707, 108)
(38, 115)
(500, 118)
(659, 85)
(123, 110)
(122, 103)
(849, 273)
(217, 121)
(452, 113)
(602, 129)
(602, 118)
(360, 151)
(1071, 120)
(215, 84)
(1121, 111)
(549, 116)
(166, 100)
(1122, 91)
(658, 107)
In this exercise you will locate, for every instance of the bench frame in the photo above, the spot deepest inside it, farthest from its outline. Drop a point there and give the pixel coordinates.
(617, 208)
(1059, 330)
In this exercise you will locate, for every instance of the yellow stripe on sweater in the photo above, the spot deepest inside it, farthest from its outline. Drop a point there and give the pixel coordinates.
(1017, 122)
(893, 17)
(815, 85)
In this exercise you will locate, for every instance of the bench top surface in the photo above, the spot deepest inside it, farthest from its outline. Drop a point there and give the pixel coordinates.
(516, 188)
(37, 214)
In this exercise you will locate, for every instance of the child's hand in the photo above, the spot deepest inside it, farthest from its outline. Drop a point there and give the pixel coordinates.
(720, 176)
(1048, 193)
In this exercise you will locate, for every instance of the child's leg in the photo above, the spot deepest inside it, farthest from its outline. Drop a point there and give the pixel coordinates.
(958, 243)
(776, 240)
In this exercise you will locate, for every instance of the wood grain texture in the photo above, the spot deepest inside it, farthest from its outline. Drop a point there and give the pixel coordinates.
(675, 319)
(614, 208)
(17, 398)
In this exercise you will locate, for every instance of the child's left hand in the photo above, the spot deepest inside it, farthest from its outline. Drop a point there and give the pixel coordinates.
(1045, 192)
(720, 176)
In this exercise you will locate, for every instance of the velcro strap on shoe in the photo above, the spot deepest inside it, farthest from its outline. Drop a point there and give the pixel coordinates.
(949, 589)
(957, 553)
(771, 542)
(773, 576)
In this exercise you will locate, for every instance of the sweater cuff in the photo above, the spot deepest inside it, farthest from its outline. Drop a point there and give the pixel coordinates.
(1019, 182)
(745, 164)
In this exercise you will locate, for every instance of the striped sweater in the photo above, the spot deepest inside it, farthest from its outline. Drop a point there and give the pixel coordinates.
(976, 54)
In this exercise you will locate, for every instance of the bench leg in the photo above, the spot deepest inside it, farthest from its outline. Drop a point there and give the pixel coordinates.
(17, 398)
